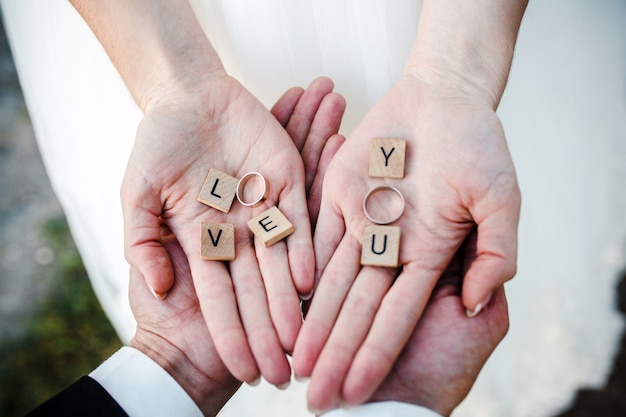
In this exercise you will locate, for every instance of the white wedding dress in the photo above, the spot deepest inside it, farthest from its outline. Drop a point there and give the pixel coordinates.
(564, 112)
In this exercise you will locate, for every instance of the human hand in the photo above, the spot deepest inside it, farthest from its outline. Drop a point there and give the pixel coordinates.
(447, 350)
(312, 121)
(253, 320)
(459, 176)
(173, 333)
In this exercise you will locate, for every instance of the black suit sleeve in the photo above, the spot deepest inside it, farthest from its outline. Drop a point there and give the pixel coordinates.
(83, 398)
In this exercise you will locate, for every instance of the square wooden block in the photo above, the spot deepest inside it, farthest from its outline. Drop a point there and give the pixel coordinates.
(217, 241)
(381, 246)
(271, 226)
(219, 190)
(387, 158)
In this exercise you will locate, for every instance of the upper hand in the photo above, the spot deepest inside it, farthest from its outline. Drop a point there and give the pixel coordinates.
(458, 176)
(251, 305)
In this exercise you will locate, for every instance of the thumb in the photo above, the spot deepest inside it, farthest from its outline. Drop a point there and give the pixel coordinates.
(143, 244)
(491, 259)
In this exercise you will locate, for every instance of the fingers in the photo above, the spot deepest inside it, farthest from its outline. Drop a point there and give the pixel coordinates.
(282, 298)
(321, 141)
(235, 307)
(335, 252)
(495, 254)
(447, 346)
(253, 307)
(495, 319)
(216, 292)
(328, 234)
(142, 240)
(326, 123)
(314, 196)
(311, 117)
(335, 285)
(378, 330)
(299, 244)
(284, 107)
(306, 109)
(291, 262)
(349, 331)
(402, 306)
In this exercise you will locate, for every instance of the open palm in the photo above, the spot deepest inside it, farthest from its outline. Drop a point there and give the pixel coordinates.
(458, 177)
(251, 304)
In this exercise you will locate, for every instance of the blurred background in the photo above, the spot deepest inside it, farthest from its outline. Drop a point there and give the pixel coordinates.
(52, 329)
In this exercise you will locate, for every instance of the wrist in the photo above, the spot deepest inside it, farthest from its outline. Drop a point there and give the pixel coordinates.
(157, 46)
(177, 82)
(466, 48)
(184, 64)
(207, 392)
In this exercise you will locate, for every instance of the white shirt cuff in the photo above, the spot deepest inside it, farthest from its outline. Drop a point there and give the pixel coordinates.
(383, 409)
(142, 388)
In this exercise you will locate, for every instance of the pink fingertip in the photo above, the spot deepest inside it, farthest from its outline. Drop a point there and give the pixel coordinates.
(479, 307)
(157, 295)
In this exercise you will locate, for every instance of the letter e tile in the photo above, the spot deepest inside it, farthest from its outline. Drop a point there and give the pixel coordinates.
(381, 246)
(217, 241)
(271, 226)
(219, 190)
(387, 158)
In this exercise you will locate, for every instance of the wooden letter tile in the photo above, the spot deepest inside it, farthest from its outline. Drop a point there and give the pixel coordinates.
(217, 242)
(219, 190)
(387, 158)
(381, 246)
(271, 226)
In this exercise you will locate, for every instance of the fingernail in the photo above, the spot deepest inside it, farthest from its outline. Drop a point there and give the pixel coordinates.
(302, 379)
(479, 307)
(254, 382)
(307, 296)
(157, 295)
(284, 386)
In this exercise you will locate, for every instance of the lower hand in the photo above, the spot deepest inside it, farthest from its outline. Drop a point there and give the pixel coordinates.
(447, 350)
(173, 333)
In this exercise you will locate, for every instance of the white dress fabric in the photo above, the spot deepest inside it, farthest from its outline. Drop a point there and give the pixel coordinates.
(564, 112)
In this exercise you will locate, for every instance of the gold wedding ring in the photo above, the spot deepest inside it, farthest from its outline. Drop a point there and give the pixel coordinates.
(381, 189)
(242, 183)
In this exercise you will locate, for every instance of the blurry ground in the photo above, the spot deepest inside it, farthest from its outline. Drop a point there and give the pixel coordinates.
(26, 200)
(51, 327)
